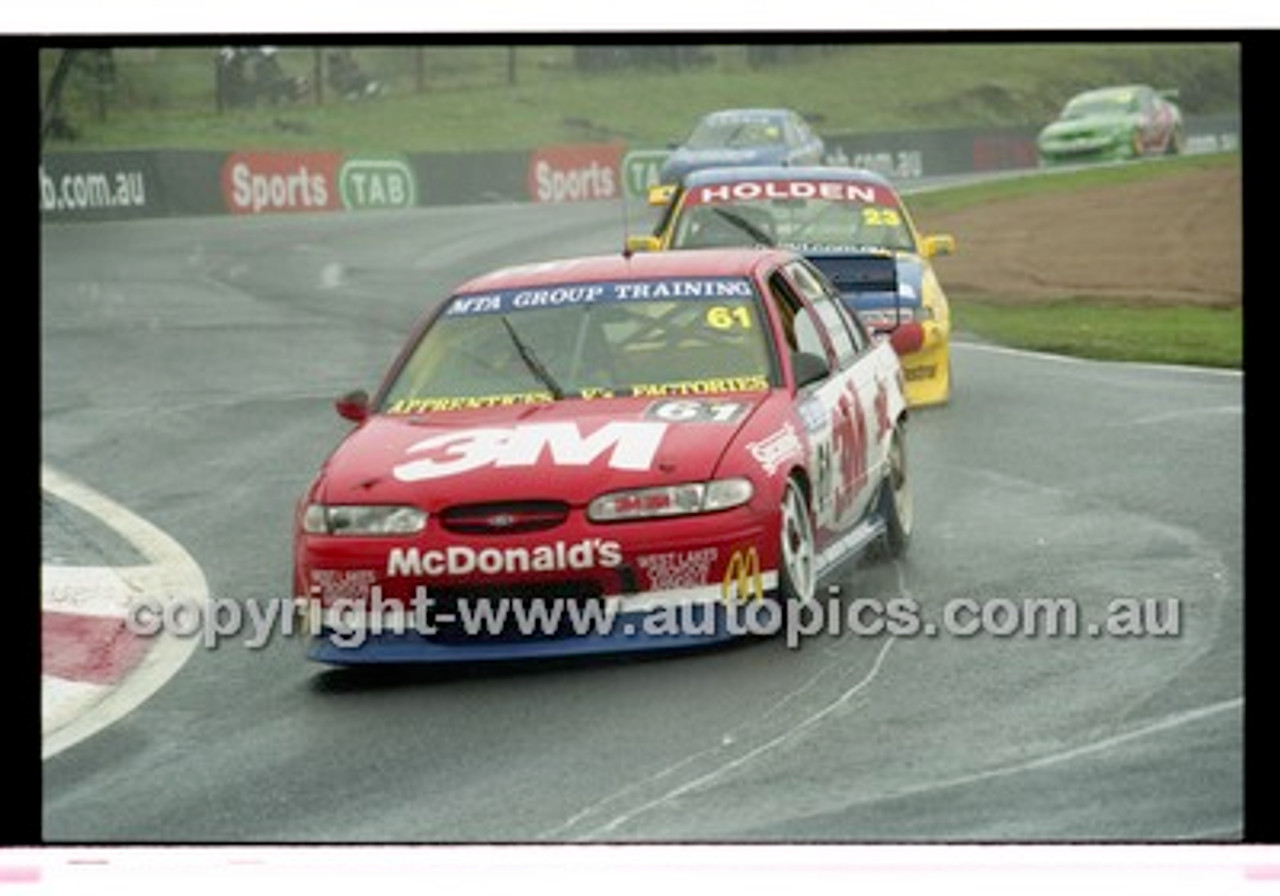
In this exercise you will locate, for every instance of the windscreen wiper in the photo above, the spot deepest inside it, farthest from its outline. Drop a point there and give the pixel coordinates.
(531, 361)
(745, 226)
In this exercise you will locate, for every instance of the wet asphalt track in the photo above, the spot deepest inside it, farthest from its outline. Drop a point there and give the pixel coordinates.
(188, 369)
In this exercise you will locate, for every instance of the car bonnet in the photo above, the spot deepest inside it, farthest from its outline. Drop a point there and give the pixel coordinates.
(571, 450)
(1067, 126)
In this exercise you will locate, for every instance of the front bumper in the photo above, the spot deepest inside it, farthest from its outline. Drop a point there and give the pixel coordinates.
(1069, 152)
(673, 585)
(701, 624)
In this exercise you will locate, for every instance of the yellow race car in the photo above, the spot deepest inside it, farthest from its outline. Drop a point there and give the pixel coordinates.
(850, 223)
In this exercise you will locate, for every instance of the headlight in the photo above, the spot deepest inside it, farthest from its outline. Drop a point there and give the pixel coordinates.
(355, 519)
(670, 500)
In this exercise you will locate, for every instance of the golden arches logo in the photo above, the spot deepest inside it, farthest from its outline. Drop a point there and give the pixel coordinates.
(742, 578)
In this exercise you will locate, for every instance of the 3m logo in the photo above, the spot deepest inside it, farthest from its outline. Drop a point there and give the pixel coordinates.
(742, 578)
(628, 445)
(377, 183)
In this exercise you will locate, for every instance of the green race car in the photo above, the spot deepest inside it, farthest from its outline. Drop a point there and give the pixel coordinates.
(1113, 124)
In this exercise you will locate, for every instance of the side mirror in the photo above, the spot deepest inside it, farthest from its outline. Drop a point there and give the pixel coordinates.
(907, 338)
(661, 194)
(353, 406)
(643, 244)
(808, 368)
(937, 244)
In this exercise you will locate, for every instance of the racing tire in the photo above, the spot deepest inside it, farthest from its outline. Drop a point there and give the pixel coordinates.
(1136, 147)
(896, 506)
(797, 566)
(1174, 146)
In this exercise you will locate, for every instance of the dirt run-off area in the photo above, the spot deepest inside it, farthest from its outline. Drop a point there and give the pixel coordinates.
(1172, 240)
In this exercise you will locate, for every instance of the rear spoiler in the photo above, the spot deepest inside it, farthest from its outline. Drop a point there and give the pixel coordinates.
(855, 272)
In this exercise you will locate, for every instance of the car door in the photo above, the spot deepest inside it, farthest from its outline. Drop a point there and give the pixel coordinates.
(862, 398)
(838, 411)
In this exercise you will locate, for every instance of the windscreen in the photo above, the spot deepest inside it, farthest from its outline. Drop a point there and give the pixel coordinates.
(799, 214)
(588, 340)
(1118, 103)
(732, 131)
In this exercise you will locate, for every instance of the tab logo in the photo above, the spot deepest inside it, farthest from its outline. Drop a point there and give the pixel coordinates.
(640, 169)
(377, 184)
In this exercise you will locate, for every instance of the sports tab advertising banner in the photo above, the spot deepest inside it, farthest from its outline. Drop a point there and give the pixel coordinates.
(576, 173)
(126, 184)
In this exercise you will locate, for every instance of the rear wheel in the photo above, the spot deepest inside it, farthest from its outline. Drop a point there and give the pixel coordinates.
(797, 579)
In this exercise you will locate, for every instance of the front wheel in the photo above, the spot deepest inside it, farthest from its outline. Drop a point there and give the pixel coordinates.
(797, 573)
(896, 506)
(1136, 147)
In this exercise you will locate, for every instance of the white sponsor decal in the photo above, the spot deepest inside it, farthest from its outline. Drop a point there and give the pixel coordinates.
(678, 569)
(298, 189)
(695, 410)
(630, 445)
(592, 181)
(774, 450)
(91, 190)
(815, 416)
(342, 584)
(749, 190)
(461, 560)
(502, 301)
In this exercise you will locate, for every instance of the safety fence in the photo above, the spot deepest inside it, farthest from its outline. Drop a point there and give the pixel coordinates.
(94, 84)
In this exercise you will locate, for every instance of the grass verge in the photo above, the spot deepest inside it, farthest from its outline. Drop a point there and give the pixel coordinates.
(1116, 330)
(1042, 183)
(1109, 330)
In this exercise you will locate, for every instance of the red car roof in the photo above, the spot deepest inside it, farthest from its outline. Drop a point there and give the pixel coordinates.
(641, 266)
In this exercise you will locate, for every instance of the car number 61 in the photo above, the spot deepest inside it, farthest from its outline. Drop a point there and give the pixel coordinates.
(692, 410)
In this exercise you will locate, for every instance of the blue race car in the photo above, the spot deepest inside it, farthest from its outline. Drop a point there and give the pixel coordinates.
(744, 137)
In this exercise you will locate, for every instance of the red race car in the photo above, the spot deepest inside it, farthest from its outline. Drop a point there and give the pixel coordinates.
(602, 454)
